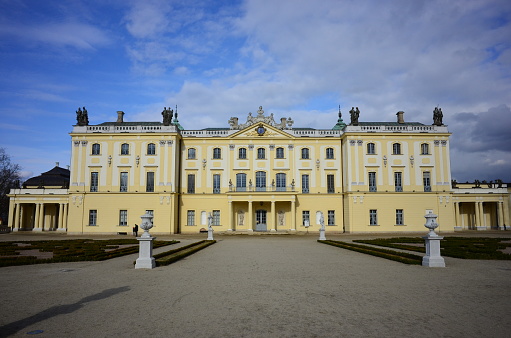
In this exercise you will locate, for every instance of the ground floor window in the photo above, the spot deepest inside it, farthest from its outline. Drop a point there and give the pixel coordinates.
(306, 218)
(331, 217)
(399, 217)
(190, 217)
(216, 217)
(373, 217)
(93, 217)
(123, 217)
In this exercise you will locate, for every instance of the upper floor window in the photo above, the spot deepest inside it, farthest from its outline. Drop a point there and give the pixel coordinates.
(242, 153)
(241, 182)
(125, 149)
(261, 153)
(424, 149)
(329, 153)
(94, 181)
(279, 152)
(191, 184)
(96, 149)
(396, 149)
(371, 149)
(123, 182)
(191, 153)
(151, 149)
(281, 182)
(216, 184)
(305, 153)
(217, 153)
(260, 181)
(150, 181)
(398, 181)
(330, 184)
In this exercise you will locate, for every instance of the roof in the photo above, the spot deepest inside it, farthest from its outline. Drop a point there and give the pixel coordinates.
(56, 177)
(130, 124)
(390, 124)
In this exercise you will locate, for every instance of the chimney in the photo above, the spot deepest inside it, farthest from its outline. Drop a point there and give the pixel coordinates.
(400, 118)
(57, 164)
(120, 116)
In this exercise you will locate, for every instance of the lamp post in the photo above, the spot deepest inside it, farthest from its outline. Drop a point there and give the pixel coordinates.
(145, 255)
(432, 243)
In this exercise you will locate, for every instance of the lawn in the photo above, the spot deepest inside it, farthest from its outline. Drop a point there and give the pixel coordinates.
(35, 252)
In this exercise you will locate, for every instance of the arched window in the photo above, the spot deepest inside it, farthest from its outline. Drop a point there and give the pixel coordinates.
(424, 149)
(217, 153)
(151, 149)
(261, 153)
(191, 153)
(125, 149)
(96, 149)
(279, 153)
(305, 153)
(371, 149)
(241, 182)
(330, 153)
(396, 149)
(242, 153)
(281, 182)
(260, 181)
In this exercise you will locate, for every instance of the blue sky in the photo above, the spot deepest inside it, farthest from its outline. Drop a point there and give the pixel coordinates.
(217, 59)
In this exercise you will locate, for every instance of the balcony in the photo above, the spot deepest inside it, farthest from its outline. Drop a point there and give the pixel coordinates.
(262, 189)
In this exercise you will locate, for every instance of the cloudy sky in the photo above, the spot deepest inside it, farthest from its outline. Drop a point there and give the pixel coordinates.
(217, 59)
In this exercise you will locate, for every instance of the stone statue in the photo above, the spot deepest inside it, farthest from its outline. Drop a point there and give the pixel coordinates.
(260, 112)
(82, 118)
(167, 116)
(437, 117)
(233, 122)
(354, 114)
(281, 217)
(241, 217)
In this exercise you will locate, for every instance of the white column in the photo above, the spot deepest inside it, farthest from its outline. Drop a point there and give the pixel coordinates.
(16, 217)
(37, 225)
(250, 217)
(231, 223)
(272, 218)
(293, 216)
(457, 226)
(500, 211)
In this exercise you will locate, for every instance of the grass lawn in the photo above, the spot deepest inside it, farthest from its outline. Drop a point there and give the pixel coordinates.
(35, 252)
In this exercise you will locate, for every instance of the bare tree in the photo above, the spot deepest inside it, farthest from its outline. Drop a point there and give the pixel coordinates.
(9, 179)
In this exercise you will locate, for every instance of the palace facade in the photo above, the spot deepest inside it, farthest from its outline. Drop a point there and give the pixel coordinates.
(261, 175)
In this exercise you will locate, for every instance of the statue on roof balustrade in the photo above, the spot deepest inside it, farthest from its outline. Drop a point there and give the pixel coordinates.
(437, 117)
(167, 116)
(354, 114)
(82, 118)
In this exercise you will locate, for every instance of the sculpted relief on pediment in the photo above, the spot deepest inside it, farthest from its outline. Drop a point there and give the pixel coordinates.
(260, 117)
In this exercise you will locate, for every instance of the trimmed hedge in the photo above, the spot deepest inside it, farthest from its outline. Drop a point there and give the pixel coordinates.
(70, 250)
(457, 247)
(171, 256)
(401, 257)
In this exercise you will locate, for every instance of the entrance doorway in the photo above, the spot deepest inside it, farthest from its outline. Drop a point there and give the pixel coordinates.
(260, 220)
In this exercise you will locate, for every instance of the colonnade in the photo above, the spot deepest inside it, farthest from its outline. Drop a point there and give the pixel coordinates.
(477, 219)
(41, 220)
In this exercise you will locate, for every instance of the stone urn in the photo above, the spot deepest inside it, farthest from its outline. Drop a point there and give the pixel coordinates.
(147, 223)
(431, 224)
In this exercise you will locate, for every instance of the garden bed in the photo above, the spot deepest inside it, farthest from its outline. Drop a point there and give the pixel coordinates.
(171, 256)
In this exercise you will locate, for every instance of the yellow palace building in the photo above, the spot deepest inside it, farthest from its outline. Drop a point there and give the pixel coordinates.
(259, 175)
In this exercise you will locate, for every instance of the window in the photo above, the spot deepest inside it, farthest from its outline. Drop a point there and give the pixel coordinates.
(123, 217)
(125, 149)
(217, 153)
(124, 182)
(281, 182)
(330, 184)
(372, 181)
(424, 149)
(191, 153)
(260, 181)
(151, 149)
(396, 149)
(329, 153)
(306, 218)
(241, 182)
(242, 153)
(331, 217)
(398, 181)
(426, 179)
(279, 153)
(190, 217)
(93, 217)
(94, 181)
(305, 153)
(305, 184)
(371, 149)
(216, 217)
(373, 217)
(261, 153)
(96, 149)
(149, 187)
(399, 217)
(216, 184)
(191, 184)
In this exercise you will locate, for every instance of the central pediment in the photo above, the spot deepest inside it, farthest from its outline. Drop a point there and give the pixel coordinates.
(261, 130)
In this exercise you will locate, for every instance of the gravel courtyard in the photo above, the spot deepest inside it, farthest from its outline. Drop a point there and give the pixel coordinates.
(258, 286)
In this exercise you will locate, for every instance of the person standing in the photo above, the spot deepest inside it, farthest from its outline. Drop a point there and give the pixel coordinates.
(135, 230)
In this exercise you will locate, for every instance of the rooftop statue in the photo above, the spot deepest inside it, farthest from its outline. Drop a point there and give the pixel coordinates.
(354, 114)
(82, 118)
(167, 116)
(437, 117)
(284, 123)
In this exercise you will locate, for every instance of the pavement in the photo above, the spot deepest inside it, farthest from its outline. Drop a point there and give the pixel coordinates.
(257, 286)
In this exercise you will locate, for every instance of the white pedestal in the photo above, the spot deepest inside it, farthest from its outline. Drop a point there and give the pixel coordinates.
(322, 235)
(210, 235)
(433, 258)
(61, 230)
(145, 256)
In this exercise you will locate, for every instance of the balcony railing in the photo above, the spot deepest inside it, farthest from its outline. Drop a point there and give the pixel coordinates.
(399, 188)
(262, 189)
(427, 188)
